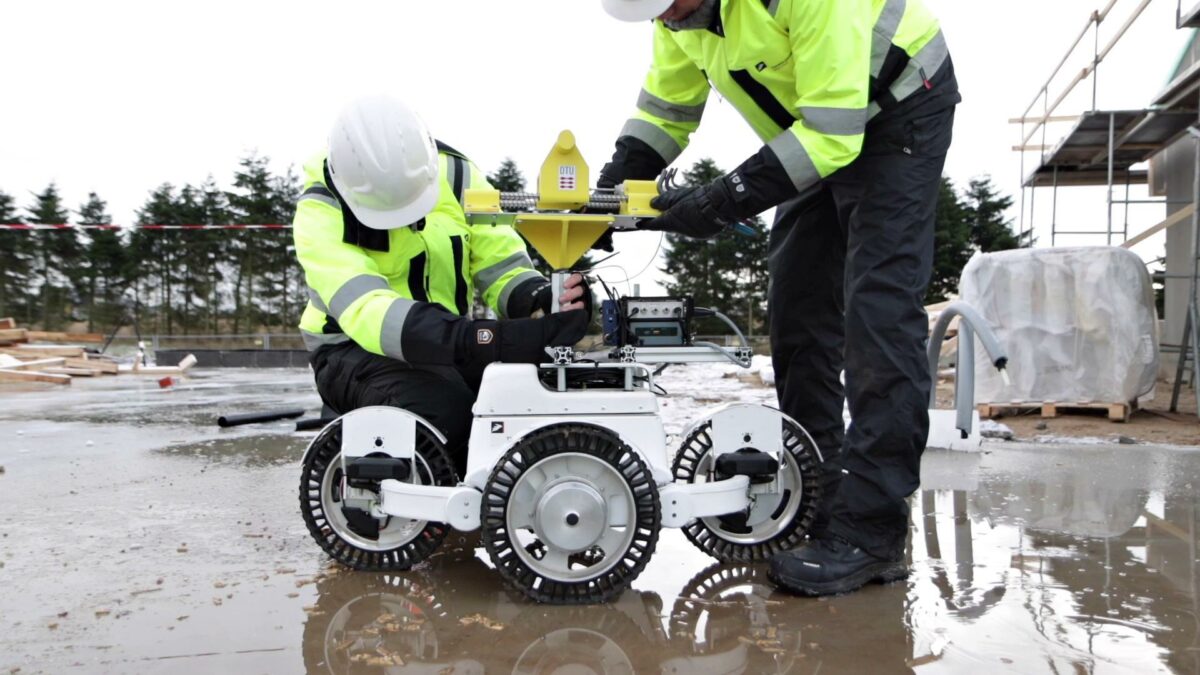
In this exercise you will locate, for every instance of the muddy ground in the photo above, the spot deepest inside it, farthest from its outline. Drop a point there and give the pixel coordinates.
(136, 537)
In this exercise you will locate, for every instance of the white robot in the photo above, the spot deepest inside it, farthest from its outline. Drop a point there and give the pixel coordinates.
(568, 475)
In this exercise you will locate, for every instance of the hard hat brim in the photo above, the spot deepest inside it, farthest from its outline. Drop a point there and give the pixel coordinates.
(644, 10)
(395, 219)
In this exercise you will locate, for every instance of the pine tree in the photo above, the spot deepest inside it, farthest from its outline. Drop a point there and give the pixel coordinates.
(16, 262)
(193, 293)
(952, 243)
(727, 273)
(265, 266)
(61, 263)
(215, 249)
(508, 178)
(152, 264)
(287, 274)
(985, 207)
(106, 256)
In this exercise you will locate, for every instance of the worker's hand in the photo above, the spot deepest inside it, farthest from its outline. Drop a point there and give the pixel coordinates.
(691, 211)
(523, 340)
(576, 295)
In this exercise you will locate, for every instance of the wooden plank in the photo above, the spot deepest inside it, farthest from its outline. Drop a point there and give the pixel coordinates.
(32, 376)
(50, 336)
(106, 367)
(21, 354)
(1116, 412)
(36, 365)
(152, 370)
(51, 350)
(73, 372)
(14, 335)
(1171, 221)
(8, 323)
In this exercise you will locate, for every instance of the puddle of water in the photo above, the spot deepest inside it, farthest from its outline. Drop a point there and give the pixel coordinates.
(179, 548)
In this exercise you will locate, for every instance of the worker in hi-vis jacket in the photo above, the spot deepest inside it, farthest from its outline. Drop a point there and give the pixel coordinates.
(392, 268)
(854, 102)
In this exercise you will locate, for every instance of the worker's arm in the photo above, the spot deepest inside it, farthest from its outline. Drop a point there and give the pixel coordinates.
(500, 265)
(669, 109)
(347, 283)
(831, 60)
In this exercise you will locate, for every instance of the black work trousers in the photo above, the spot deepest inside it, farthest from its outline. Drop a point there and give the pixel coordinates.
(349, 377)
(850, 262)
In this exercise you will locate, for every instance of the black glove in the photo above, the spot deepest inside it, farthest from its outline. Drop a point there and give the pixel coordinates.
(521, 340)
(697, 212)
(544, 295)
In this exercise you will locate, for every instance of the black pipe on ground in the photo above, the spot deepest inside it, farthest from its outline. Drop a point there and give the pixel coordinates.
(314, 423)
(225, 421)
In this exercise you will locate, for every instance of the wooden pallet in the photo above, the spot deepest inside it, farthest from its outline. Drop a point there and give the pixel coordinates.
(1117, 412)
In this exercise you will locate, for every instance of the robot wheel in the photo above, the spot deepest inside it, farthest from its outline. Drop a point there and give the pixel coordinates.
(570, 515)
(353, 536)
(777, 520)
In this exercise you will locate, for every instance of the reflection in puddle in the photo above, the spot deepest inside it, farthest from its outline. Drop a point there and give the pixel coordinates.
(1043, 567)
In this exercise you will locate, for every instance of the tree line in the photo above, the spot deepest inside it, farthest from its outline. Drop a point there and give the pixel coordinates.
(220, 281)
(161, 281)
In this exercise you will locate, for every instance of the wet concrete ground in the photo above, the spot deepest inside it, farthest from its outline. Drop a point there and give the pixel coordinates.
(136, 537)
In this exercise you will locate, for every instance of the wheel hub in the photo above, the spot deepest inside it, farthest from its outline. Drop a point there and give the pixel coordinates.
(571, 516)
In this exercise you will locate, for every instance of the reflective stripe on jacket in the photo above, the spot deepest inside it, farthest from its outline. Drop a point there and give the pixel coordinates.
(807, 75)
(386, 295)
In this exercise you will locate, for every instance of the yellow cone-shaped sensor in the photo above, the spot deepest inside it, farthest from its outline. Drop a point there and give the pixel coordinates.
(562, 239)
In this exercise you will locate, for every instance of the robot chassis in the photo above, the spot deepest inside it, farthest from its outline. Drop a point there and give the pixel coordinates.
(568, 473)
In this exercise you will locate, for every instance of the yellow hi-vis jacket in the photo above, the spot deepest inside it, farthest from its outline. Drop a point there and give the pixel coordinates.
(396, 292)
(806, 74)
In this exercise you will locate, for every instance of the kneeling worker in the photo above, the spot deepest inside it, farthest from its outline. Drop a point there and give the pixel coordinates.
(392, 266)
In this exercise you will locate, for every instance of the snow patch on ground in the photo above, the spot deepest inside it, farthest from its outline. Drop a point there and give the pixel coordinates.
(694, 391)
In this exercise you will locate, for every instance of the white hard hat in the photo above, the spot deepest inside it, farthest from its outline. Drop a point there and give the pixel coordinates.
(384, 163)
(636, 10)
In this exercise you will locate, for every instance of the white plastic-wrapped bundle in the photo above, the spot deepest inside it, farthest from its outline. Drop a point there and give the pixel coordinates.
(1078, 324)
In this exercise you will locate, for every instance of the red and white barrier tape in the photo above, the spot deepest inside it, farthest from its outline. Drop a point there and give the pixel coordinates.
(72, 226)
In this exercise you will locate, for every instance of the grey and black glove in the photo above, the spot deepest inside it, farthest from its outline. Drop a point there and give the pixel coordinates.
(692, 211)
(704, 212)
(520, 340)
(544, 296)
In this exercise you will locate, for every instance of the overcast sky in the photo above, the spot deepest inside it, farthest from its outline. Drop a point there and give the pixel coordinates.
(116, 97)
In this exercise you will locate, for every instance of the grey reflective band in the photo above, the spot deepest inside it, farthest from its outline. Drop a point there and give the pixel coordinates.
(795, 160)
(835, 121)
(352, 290)
(313, 341)
(885, 32)
(451, 173)
(320, 194)
(672, 112)
(921, 68)
(487, 276)
(872, 110)
(392, 330)
(773, 7)
(506, 293)
(316, 300)
(656, 138)
(466, 181)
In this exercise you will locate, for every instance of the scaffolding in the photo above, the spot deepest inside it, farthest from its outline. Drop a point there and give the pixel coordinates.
(1110, 148)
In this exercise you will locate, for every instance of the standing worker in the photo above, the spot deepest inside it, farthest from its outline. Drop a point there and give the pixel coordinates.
(854, 100)
(392, 267)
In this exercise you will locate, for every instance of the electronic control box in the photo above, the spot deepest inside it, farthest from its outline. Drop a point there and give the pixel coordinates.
(647, 322)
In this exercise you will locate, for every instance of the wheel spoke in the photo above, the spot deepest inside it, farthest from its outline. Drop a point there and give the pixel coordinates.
(520, 518)
(613, 542)
(555, 560)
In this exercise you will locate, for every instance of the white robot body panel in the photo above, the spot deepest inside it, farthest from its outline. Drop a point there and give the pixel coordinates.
(492, 437)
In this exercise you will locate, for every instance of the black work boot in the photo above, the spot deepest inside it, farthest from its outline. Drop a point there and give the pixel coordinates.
(832, 565)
